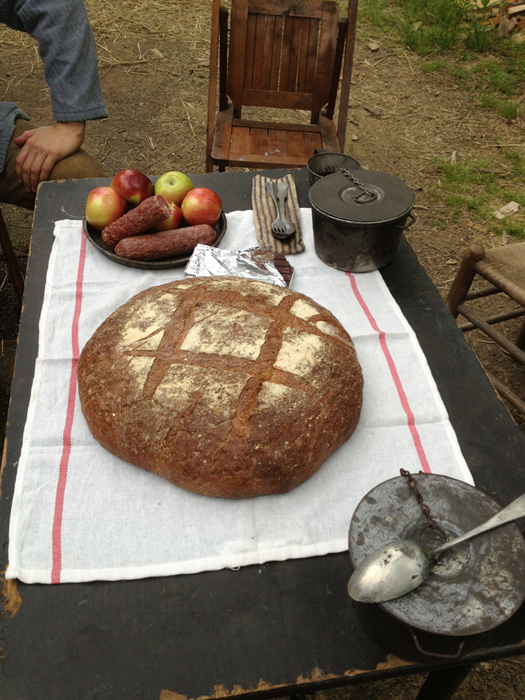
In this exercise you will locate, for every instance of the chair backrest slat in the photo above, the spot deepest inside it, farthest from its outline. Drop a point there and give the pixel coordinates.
(293, 8)
(276, 52)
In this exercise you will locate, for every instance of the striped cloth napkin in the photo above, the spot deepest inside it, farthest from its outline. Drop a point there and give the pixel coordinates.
(265, 211)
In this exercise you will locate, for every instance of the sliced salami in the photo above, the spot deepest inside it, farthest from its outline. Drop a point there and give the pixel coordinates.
(148, 213)
(154, 246)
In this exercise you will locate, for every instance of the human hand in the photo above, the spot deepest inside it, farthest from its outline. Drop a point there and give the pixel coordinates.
(43, 147)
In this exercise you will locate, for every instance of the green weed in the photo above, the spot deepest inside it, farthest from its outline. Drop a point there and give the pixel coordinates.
(377, 12)
(517, 163)
(516, 229)
(488, 101)
(433, 66)
(501, 77)
(478, 38)
(460, 73)
(508, 109)
(424, 39)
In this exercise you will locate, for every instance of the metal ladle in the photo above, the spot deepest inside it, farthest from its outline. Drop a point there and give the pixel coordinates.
(400, 566)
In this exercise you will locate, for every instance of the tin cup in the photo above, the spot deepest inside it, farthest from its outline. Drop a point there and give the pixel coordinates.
(324, 163)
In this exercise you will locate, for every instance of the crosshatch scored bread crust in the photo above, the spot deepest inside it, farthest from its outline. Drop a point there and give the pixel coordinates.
(224, 386)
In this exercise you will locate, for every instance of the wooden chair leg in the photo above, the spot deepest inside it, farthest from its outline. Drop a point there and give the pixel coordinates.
(10, 259)
(464, 277)
(507, 393)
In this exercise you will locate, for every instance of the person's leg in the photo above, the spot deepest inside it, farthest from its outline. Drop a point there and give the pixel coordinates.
(77, 165)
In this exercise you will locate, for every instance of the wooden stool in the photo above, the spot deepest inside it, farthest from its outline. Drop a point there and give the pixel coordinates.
(504, 269)
(8, 256)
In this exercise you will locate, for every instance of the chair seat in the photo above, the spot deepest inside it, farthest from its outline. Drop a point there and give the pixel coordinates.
(253, 144)
(504, 267)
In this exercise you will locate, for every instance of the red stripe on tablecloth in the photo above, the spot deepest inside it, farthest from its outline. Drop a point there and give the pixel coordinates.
(70, 414)
(395, 376)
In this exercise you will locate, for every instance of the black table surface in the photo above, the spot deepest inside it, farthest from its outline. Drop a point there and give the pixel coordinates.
(269, 630)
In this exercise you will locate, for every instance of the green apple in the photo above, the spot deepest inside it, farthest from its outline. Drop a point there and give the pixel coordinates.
(173, 186)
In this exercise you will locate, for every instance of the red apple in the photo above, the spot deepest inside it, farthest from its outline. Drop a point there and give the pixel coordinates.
(173, 186)
(173, 220)
(103, 206)
(133, 186)
(201, 206)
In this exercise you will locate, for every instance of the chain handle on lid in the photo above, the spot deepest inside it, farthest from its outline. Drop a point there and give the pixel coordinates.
(368, 194)
(431, 523)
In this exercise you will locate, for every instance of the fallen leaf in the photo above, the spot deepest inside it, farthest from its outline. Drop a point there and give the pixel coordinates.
(476, 227)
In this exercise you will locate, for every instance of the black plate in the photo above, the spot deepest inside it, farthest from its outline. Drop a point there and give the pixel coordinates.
(95, 238)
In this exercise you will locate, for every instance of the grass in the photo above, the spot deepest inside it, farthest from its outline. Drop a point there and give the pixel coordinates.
(433, 66)
(481, 189)
(456, 40)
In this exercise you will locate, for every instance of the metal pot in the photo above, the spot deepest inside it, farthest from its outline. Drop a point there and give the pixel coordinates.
(358, 218)
(324, 163)
(475, 587)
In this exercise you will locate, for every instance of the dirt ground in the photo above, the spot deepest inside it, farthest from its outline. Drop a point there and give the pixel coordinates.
(154, 73)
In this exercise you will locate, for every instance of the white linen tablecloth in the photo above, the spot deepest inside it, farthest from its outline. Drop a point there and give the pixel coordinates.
(81, 514)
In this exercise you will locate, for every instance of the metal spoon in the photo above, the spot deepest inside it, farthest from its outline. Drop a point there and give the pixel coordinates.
(400, 566)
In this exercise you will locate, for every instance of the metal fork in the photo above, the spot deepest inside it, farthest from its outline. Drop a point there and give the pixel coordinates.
(281, 227)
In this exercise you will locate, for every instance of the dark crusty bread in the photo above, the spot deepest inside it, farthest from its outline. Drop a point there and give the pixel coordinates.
(224, 386)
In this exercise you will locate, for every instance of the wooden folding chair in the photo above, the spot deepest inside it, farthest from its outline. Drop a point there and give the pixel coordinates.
(504, 269)
(280, 54)
(8, 256)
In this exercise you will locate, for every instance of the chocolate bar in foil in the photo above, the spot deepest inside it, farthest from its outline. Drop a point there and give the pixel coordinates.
(254, 263)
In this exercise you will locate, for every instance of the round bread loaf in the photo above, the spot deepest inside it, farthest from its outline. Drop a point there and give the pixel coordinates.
(224, 386)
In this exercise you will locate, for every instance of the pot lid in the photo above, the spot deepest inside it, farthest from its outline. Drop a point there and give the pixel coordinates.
(476, 585)
(384, 198)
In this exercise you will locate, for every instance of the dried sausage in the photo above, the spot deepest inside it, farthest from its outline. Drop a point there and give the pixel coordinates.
(148, 213)
(165, 244)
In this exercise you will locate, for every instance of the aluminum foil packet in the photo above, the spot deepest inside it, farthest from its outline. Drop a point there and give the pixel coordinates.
(253, 263)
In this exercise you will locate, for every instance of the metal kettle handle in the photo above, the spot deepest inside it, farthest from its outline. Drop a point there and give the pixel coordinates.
(411, 223)
(435, 654)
